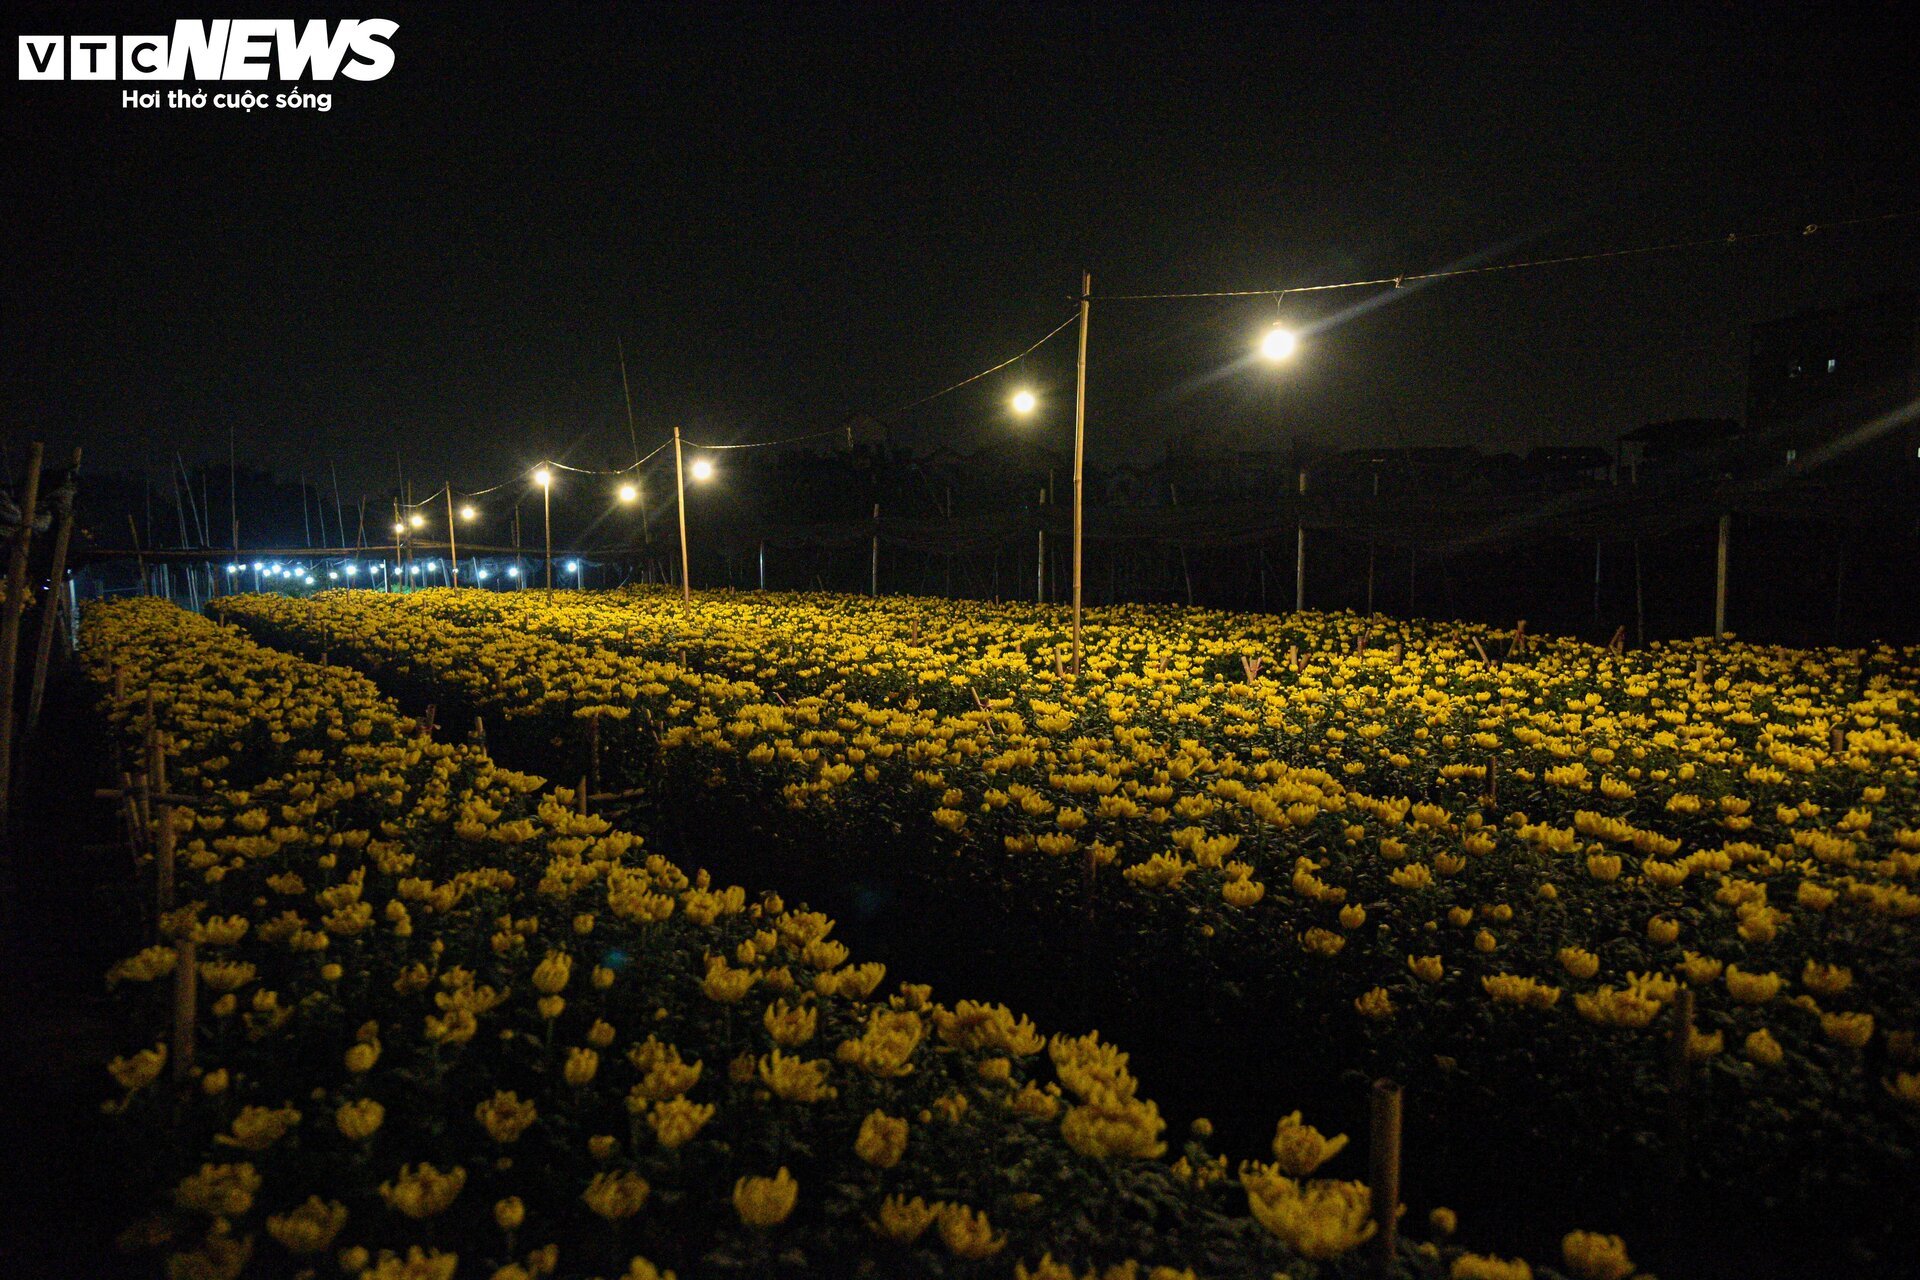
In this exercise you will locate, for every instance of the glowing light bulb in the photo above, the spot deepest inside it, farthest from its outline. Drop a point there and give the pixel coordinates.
(416, 520)
(1278, 343)
(543, 477)
(701, 469)
(1024, 401)
(399, 527)
(628, 493)
(468, 513)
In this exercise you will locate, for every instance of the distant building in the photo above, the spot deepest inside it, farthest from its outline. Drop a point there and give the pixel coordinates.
(1564, 467)
(1680, 447)
(1817, 376)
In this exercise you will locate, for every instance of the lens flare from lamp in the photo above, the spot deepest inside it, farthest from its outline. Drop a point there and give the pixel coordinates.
(701, 469)
(1024, 402)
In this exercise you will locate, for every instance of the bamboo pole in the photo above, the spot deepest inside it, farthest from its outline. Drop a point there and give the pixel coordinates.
(1079, 458)
(680, 495)
(1040, 556)
(139, 557)
(453, 541)
(1720, 575)
(16, 603)
(1300, 546)
(1384, 1152)
(164, 840)
(50, 612)
(186, 974)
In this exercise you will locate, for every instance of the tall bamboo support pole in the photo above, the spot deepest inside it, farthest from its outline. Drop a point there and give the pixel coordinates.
(1300, 547)
(10, 612)
(1079, 457)
(1720, 575)
(56, 577)
(680, 502)
(453, 541)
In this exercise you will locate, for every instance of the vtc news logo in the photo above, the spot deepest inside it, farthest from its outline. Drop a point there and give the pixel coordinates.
(220, 49)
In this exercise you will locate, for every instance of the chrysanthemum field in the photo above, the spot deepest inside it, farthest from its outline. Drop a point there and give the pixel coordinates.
(511, 920)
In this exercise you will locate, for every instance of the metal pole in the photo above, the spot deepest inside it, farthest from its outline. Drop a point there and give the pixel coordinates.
(763, 566)
(680, 494)
(453, 543)
(1079, 457)
(398, 570)
(1300, 548)
(1720, 576)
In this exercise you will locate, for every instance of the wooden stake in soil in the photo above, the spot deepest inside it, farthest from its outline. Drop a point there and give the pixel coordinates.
(186, 975)
(479, 733)
(163, 838)
(583, 795)
(593, 751)
(1680, 1078)
(1384, 1151)
(1838, 740)
(1493, 781)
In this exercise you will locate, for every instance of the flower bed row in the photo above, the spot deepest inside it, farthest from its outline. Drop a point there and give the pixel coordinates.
(448, 1021)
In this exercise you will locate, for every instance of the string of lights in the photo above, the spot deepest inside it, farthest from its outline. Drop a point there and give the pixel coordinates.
(1728, 240)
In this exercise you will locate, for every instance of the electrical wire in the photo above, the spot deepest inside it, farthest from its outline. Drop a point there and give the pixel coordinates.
(757, 444)
(1397, 281)
(1732, 238)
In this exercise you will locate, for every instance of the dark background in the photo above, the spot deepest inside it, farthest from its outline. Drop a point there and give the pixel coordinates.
(796, 214)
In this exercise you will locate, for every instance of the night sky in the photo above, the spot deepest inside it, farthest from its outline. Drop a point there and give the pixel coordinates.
(796, 213)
